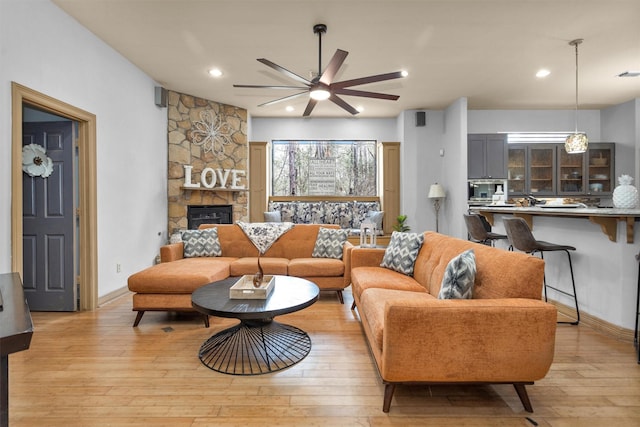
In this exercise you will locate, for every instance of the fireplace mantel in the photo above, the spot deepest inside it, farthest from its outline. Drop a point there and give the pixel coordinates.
(215, 189)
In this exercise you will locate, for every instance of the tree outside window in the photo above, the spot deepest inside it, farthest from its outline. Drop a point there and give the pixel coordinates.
(328, 168)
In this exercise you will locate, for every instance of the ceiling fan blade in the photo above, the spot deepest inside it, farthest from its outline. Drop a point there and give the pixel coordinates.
(270, 87)
(341, 102)
(352, 92)
(286, 98)
(312, 103)
(284, 71)
(365, 80)
(334, 65)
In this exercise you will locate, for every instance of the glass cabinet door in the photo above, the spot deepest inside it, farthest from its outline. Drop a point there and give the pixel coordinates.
(570, 172)
(600, 163)
(517, 170)
(542, 170)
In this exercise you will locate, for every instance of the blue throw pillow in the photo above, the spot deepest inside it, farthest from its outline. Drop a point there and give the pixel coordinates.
(459, 277)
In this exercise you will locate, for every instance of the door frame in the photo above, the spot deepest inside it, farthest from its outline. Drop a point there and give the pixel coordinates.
(87, 186)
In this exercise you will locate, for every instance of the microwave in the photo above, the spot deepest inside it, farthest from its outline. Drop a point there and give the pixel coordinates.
(482, 190)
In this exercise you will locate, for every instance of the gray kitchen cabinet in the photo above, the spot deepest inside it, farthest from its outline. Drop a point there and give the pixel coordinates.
(487, 156)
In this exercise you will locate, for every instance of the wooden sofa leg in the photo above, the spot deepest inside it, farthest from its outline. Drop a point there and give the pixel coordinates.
(524, 397)
(138, 318)
(340, 297)
(388, 395)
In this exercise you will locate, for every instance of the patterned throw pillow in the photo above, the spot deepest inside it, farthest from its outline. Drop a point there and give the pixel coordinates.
(459, 276)
(402, 252)
(329, 243)
(201, 243)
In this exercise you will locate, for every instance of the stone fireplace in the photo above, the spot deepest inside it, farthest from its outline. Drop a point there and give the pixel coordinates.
(208, 141)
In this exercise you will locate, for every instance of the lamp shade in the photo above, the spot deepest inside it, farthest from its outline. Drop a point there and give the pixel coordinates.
(436, 191)
(576, 143)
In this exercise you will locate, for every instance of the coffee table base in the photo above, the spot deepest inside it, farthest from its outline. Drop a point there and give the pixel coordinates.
(255, 347)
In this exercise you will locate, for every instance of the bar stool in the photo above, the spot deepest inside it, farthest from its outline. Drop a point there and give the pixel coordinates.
(521, 238)
(478, 232)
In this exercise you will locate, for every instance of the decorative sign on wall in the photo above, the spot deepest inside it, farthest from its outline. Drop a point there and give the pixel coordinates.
(322, 177)
(215, 178)
(211, 133)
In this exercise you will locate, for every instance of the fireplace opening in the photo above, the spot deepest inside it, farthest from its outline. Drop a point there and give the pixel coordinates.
(212, 214)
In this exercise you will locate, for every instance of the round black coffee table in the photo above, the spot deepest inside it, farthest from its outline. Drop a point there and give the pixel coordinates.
(258, 344)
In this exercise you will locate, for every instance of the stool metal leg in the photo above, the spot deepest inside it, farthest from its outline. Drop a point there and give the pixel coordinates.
(573, 284)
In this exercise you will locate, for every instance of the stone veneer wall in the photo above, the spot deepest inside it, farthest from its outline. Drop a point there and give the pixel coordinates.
(183, 112)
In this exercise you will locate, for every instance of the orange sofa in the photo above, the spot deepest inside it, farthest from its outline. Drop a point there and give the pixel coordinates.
(167, 286)
(504, 334)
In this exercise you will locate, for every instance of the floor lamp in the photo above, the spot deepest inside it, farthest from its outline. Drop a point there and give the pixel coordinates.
(436, 192)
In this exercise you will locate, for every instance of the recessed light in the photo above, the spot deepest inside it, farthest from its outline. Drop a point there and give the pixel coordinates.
(215, 72)
(542, 73)
(360, 108)
(404, 73)
(289, 108)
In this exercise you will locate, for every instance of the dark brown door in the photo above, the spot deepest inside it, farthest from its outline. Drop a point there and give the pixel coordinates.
(48, 221)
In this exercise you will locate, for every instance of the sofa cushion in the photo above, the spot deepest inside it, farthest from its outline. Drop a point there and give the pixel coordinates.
(316, 267)
(459, 277)
(363, 278)
(249, 265)
(373, 303)
(329, 243)
(181, 276)
(201, 243)
(402, 252)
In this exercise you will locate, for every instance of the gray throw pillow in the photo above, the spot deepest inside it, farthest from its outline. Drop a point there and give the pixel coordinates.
(272, 216)
(459, 277)
(329, 243)
(201, 243)
(402, 252)
(376, 218)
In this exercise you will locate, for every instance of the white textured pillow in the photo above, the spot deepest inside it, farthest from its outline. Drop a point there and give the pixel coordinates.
(402, 252)
(459, 277)
(201, 243)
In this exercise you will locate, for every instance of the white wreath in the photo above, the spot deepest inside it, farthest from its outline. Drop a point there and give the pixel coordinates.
(35, 161)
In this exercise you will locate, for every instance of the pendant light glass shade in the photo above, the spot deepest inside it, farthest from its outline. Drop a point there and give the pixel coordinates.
(576, 142)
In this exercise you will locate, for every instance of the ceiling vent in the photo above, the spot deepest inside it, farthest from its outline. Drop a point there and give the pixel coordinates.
(629, 74)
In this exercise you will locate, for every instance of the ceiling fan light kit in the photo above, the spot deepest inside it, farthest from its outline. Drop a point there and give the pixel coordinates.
(322, 86)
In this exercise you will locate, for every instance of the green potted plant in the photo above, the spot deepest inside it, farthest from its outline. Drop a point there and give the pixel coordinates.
(400, 224)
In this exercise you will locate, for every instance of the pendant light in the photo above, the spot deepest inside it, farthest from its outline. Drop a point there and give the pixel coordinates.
(576, 142)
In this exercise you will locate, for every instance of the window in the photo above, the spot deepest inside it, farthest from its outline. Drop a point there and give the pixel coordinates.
(324, 168)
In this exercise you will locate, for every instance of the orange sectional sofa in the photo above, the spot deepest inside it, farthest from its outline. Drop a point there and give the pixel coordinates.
(167, 286)
(504, 334)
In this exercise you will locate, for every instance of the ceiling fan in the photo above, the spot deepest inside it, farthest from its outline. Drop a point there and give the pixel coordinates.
(322, 86)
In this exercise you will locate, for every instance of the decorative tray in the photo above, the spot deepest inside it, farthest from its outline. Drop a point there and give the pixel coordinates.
(244, 289)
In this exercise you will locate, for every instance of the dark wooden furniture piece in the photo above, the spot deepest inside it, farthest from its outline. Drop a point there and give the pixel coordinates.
(16, 330)
(258, 344)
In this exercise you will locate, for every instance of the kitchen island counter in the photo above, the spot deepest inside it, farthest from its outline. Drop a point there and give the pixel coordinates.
(606, 218)
(605, 268)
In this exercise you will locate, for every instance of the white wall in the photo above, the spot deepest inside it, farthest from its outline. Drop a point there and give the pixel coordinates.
(44, 49)
(619, 126)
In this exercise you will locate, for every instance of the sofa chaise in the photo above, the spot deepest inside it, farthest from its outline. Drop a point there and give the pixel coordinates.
(167, 286)
(504, 334)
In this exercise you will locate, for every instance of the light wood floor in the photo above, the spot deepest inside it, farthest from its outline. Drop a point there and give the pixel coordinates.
(94, 369)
